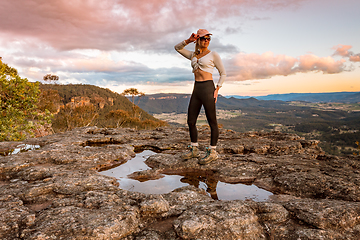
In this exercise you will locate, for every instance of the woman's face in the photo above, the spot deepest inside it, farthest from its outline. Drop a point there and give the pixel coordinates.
(204, 41)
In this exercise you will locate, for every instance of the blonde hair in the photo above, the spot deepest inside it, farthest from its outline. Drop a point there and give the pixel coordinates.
(197, 46)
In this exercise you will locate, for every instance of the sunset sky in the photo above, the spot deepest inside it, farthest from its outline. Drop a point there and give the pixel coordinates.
(267, 46)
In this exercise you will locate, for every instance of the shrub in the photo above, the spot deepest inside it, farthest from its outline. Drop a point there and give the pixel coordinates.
(19, 114)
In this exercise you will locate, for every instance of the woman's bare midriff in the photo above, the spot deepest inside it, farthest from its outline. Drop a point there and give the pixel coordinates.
(201, 75)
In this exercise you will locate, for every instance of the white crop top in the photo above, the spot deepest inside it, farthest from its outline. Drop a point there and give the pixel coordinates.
(205, 63)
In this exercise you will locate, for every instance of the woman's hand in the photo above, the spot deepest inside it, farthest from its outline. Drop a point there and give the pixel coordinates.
(192, 38)
(216, 94)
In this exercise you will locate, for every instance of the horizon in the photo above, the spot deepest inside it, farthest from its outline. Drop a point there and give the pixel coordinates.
(269, 47)
(298, 93)
(42, 82)
(263, 95)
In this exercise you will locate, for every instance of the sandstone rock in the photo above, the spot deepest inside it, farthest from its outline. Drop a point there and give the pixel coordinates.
(154, 205)
(318, 234)
(77, 223)
(71, 184)
(55, 192)
(228, 220)
(14, 216)
(146, 175)
(180, 199)
(271, 212)
(149, 235)
(326, 214)
(318, 185)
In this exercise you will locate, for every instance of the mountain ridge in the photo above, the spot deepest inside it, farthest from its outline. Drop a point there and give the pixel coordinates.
(341, 97)
(174, 102)
(101, 106)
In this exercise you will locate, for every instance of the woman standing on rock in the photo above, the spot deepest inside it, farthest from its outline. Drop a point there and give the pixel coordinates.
(204, 94)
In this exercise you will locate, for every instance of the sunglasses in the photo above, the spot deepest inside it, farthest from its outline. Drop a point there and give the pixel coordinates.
(205, 38)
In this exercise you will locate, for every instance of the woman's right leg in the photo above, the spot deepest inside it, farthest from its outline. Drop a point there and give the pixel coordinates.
(193, 113)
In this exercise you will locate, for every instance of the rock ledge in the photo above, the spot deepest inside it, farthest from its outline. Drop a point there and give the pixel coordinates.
(56, 191)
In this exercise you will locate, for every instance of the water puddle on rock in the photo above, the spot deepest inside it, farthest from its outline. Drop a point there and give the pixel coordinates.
(216, 189)
(19, 149)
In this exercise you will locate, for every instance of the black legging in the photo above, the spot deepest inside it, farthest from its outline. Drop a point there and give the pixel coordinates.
(203, 94)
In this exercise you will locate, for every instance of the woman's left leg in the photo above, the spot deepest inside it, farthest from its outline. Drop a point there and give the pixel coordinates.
(208, 101)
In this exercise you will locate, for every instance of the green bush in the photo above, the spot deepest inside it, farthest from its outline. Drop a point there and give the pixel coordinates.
(19, 116)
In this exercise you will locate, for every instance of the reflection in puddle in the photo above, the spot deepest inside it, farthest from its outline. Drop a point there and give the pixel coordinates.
(20, 148)
(216, 189)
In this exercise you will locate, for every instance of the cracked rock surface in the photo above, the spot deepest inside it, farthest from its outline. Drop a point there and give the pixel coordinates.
(57, 192)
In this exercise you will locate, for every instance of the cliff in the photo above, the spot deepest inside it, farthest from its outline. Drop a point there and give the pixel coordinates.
(77, 105)
(56, 191)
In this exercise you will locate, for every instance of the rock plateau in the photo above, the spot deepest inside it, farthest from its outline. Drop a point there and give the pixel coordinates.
(57, 192)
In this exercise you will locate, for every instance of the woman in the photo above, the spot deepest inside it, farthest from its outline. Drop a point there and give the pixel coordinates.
(204, 94)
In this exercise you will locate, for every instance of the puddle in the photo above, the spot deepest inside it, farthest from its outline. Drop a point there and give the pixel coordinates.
(19, 149)
(216, 189)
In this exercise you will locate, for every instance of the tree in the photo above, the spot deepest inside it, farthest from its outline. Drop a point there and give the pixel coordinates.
(51, 78)
(71, 117)
(133, 92)
(19, 115)
(119, 116)
(6, 70)
(49, 99)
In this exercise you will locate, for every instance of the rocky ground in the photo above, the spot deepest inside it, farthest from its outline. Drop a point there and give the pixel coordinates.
(56, 191)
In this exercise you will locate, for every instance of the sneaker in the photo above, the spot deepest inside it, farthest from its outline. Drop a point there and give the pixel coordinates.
(211, 155)
(193, 153)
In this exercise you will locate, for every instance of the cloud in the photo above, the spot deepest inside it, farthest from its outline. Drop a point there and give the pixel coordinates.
(88, 67)
(95, 66)
(312, 62)
(98, 67)
(255, 66)
(343, 50)
(74, 39)
(117, 24)
(355, 58)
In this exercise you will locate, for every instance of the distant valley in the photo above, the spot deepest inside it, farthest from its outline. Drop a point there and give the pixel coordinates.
(335, 124)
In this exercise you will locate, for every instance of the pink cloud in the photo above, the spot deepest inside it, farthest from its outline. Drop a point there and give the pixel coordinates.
(255, 66)
(115, 24)
(34, 61)
(355, 58)
(343, 50)
(45, 29)
(100, 63)
(311, 62)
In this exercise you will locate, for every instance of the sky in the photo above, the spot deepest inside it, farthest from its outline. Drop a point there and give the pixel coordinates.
(267, 46)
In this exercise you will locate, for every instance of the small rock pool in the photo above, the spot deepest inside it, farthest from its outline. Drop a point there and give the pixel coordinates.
(216, 189)
(20, 148)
